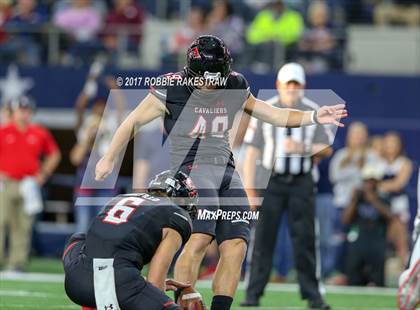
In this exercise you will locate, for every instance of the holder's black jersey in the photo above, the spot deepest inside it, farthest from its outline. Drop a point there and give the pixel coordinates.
(130, 228)
(198, 121)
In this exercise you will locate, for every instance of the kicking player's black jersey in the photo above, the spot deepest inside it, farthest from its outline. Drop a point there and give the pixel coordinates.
(130, 227)
(198, 121)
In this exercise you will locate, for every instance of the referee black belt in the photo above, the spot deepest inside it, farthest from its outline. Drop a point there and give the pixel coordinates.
(288, 178)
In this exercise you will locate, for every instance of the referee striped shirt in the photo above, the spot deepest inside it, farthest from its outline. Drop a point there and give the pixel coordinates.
(270, 140)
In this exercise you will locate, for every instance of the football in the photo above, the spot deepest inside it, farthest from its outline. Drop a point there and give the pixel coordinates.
(190, 299)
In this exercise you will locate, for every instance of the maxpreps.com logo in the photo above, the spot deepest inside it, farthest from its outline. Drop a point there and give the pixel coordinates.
(233, 216)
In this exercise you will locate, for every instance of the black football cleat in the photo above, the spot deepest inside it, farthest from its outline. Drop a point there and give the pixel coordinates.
(250, 302)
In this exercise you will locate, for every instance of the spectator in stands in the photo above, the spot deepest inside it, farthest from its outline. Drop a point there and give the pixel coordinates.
(5, 114)
(5, 13)
(22, 173)
(375, 145)
(367, 217)
(359, 11)
(100, 5)
(272, 27)
(81, 21)
(247, 9)
(179, 41)
(126, 15)
(402, 12)
(397, 174)
(21, 44)
(277, 23)
(225, 25)
(347, 163)
(345, 172)
(195, 26)
(151, 154)
(318, 43)
(94, 132)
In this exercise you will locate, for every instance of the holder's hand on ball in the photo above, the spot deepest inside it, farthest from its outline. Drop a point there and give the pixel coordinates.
(173, 285)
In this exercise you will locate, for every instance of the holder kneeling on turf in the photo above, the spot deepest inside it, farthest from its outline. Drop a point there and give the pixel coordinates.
(102, 267)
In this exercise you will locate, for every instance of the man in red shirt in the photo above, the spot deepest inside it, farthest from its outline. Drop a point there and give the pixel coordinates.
(28, 154)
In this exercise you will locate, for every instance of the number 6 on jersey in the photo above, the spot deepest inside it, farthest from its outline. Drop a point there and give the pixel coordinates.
(121, 211)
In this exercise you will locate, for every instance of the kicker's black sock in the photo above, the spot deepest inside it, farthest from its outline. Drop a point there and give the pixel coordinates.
(221, 302)
(177, 292)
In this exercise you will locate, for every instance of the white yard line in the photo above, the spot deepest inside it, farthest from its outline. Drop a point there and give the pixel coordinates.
(12, 293)
(274, 287)
(300, 308)
(22, 293)
(26, 306)
(31, 277)
(348, 290)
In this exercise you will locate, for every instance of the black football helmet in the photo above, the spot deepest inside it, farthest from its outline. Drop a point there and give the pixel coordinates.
(208, 55)
(178, 185)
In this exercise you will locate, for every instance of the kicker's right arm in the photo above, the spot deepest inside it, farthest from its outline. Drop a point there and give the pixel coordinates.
(149, 109)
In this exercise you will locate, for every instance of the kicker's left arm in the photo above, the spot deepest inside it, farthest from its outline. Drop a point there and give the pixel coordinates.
(283, 117)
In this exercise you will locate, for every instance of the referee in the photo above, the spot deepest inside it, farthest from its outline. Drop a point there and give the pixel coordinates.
(288, 153)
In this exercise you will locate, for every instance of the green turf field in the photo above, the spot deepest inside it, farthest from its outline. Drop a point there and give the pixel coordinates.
(49, 294)
(42, 288)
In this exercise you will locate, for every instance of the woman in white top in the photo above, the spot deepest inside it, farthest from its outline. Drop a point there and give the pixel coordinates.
(345, 175)
(346, 164)
(397, 173)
